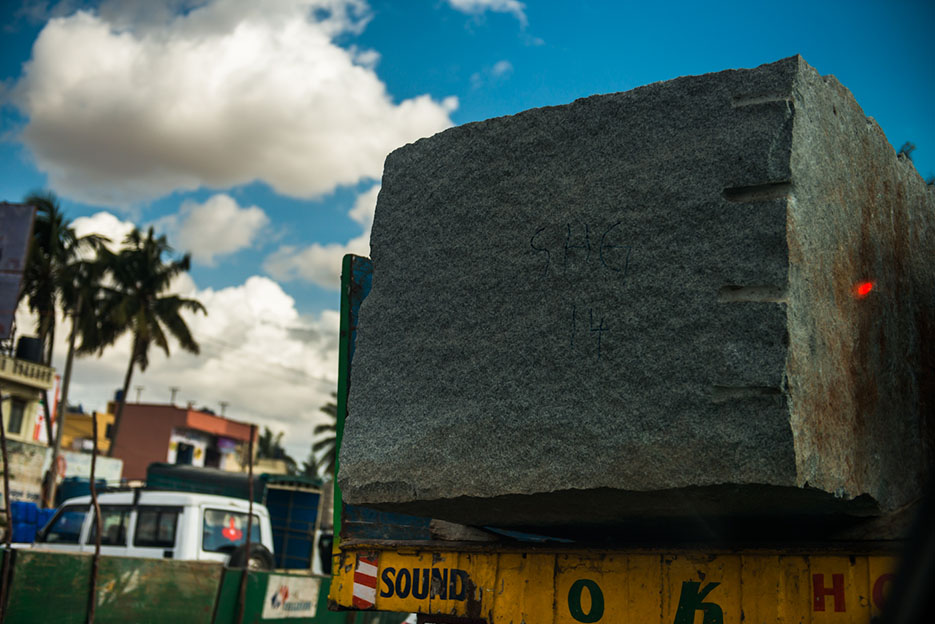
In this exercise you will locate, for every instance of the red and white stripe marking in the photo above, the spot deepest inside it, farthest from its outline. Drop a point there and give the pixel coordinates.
(365, 581)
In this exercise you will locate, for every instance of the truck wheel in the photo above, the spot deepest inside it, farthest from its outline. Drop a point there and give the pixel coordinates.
(260, 558)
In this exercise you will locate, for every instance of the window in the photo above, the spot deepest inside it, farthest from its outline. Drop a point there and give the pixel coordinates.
(184, 453)
(226, 530)
(17, 412)
(65, 527)
(114, 521)
(155, 526)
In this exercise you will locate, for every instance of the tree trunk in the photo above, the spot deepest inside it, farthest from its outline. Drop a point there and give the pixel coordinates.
(95, 561)
(48, 497)
(123, 399)
(48, 344)
(48, 415)
(48, 340)
(62, 408)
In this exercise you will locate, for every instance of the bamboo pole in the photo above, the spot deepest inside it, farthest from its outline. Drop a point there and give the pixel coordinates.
(95, 561)
(242, 591)
(8, 534)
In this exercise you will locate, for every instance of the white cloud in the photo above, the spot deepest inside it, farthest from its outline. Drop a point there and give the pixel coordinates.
(217, 227)
(499, 6)
(273, 366)
(321, 264)
(131, 104)
(498, 72)
(501, 68)
(104, 224)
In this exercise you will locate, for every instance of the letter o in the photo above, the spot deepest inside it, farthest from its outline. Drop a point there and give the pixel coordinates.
(402, 589)
(879, 589)
(597, 601)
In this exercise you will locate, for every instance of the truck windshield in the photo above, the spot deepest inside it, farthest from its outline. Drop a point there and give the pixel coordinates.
(65, 527)
(226, 530)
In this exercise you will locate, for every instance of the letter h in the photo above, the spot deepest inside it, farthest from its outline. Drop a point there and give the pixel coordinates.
(820, 591)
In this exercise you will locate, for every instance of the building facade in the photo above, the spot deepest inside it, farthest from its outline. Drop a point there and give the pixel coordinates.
(166, 433)
(21, 384)
(78, 432)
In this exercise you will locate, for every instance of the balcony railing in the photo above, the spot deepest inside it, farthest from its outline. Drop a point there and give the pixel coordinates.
(26, 373)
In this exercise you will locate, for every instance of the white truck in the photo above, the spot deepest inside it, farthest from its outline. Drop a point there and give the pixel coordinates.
(164, 525)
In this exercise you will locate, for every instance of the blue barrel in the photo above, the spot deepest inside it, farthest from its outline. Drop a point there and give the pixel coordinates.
(24, 533)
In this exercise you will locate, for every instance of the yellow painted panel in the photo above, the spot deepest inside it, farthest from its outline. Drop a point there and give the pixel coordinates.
(404, 581)
(840, 589)
(482, 569)
(342, 583)
(590, 589)
(761, 577)
(700, 583)
(452, 583)
(643, 588)
(882, 571)
(625, 588)
(524, 588)
(858, 583)
(795, 593)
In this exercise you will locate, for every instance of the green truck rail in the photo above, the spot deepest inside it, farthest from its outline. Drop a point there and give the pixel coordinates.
(54, 587)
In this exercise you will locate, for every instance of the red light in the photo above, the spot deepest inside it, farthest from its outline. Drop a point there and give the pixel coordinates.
(863, 289)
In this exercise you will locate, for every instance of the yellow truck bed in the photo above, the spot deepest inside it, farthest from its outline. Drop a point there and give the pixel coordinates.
(542, 585)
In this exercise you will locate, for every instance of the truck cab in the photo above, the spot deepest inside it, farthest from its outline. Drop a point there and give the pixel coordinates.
(164, 525)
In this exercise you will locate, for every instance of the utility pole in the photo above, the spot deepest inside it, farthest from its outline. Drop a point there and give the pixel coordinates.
(175, 390)
(224, 405)
(139, 389)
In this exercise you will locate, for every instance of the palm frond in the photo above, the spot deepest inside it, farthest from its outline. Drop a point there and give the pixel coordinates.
(326, 462)
(325, 428)
(322, 444)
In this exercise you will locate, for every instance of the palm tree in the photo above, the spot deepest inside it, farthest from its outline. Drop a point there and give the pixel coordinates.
(53, 247)
(270, 446)
(80, 289)
(135, 302)
(58, 270)
(325, 463)
(52, 254)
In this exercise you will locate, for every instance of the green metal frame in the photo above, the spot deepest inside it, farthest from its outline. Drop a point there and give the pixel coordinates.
(344, 353)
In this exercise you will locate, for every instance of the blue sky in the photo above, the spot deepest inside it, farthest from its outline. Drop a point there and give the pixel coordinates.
(254, 137)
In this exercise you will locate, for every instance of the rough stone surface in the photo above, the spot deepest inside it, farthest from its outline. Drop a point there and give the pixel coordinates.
(648, 292)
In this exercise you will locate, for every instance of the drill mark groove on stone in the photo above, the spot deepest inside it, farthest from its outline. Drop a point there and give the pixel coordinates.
(753, 294)
(758, 192)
